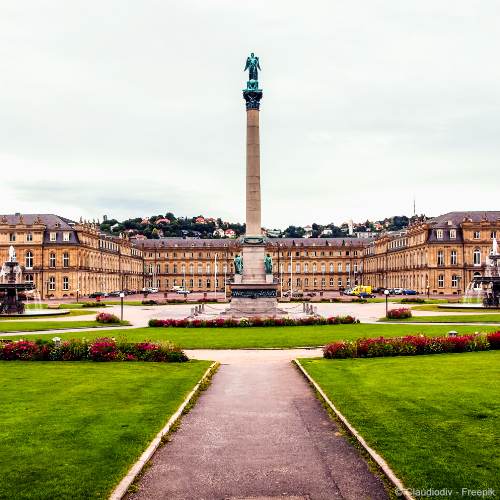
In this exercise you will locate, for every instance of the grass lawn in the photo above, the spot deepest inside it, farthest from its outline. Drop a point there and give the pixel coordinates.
(72, 430)
(82, 312)
(435, 308)
(32, 326)
(469, 318)
(434, 419)
(63, 306)
(285, 337)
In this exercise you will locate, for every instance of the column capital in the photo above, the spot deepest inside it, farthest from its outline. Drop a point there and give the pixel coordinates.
(252, 98)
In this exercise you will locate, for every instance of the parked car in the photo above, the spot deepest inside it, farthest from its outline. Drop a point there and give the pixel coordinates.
(181, 290)
(398, 291)
(153, 290)
(410, 292)
(175, 288)
(363, 295)
(296, 293)
(114, 294)
(380, 289)
(103, 295)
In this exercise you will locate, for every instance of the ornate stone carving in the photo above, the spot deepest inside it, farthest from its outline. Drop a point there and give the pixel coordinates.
(484, 218)
(4, 219)
(38, 220)
(254, 294)
(21, 219)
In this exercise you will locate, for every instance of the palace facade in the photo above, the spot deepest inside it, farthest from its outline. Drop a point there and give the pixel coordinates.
(61, 257)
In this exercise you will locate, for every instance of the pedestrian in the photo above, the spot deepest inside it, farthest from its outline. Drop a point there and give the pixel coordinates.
(98, 299)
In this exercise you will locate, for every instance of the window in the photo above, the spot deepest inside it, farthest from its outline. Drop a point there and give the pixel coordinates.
(174, 255)
(65, 259)
(200, 268)
(183, 255)
(454, 281)
(12, 237)
(331, 282)
(191, 283)
(208, 268)
(52, 260)
(493, 235)
(158, 283)
(306, 268)
(477, 257)
(315, 284)
(356, 267)
(339, 254)
(347, 253)
(297, 254)
(306, 254)
(331, 254)
(208, 283)
(191, 268)
(183, 268)
(347, 267)
(323, 283)
(281, 254)
(339, 282)
(29, 260)
(440, 258)
(339, 267)
(323, 268)
(150, 268)
(28, 279)
(306, 282)
(440, 281)
(65, 283)
(289, 254)
(477, 235)
(348, 282)
(175, 268)
(331, 268)
(224, 268)
(208, 255)
(52, 283)
(150, 254)
(199, 284)
(439, 234)
(175, 282)
(281, 268)
(453, 257)
(322, 254)
(158, 256)
(315, 268)
(29, 237)
(355, 253)
(65, 238)
(166, 284)
(166, 268)
(199, 255)
(166, 255)
(289, 268)
(297, 268)
(453, 234)
(158, 271)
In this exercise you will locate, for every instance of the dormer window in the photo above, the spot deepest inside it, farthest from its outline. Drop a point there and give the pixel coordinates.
(53, 236)
(65, 236)
(453, 234)
(56, 224)
(439, 234)
(12, 237)
(450, 223)
(477, 235)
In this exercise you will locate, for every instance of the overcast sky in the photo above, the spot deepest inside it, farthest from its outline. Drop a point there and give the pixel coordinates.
(135, 108)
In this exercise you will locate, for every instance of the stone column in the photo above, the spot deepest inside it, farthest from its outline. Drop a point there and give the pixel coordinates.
(253, 217)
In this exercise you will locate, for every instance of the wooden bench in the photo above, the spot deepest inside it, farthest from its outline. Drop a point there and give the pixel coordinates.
(457, 301)
(53, 306)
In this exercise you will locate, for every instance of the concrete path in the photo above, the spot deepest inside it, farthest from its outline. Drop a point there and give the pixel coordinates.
(258, 433)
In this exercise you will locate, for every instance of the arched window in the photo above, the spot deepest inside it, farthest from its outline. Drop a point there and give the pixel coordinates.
(331, 268)
(306, 282)
(315, 268)
(477, 257)
(29, 260)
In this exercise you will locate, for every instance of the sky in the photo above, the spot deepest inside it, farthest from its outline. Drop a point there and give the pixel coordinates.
(135, 108)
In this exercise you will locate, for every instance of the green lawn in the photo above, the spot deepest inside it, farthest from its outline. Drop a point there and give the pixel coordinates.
(32, 326)
(62, 306)
(82, 312)
(285, 337)
(434, 419)
(465, 318)
(435, 308)
(72, 430)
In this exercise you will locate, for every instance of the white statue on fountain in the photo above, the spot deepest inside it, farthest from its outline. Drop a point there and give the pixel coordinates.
(12, 254)
(495, 247)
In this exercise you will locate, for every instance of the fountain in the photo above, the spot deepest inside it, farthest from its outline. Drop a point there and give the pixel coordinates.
(490, 296)
(11, 271)
(13, 292)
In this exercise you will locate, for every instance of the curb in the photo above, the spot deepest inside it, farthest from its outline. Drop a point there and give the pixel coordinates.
(121, 490)
(373, 454)
(55, 330)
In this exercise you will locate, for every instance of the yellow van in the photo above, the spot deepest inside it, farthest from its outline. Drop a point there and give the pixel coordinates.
(358, 289)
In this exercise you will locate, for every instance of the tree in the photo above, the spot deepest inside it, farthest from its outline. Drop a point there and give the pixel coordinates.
(155, 234)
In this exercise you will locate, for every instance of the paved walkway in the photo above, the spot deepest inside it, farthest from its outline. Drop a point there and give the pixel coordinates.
(259, 433)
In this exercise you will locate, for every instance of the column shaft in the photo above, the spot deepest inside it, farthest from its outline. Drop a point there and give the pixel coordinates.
(253, 217)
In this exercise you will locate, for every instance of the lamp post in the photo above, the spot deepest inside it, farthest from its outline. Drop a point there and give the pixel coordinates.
(459, 279)
(291, 275)
(215, 277)
(47, 283)
(386, 293)
(77, 291)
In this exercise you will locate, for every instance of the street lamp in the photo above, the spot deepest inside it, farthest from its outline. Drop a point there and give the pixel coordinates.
(47, 283)
(459, 279)
(386, 293)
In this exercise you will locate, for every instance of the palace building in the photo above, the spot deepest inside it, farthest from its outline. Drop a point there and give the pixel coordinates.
(61, 257)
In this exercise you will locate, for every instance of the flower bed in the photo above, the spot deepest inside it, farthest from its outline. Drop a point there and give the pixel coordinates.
(93, 304)
(103, 349)
(107, 318)
(414, 300)
(250, 322)
(401, 313)
(411, 346)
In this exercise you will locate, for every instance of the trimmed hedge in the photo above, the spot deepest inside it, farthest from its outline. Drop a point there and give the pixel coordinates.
(250, 322)
(401, 313)
(411, 346)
